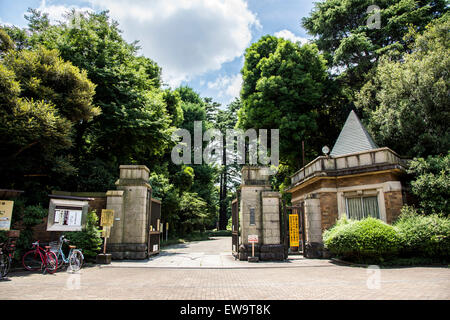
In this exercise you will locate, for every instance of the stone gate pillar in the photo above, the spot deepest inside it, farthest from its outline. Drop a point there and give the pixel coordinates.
(313, 228)
(260, 215)
(131, 202)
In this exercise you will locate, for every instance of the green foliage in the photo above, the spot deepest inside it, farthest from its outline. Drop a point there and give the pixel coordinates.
(283, 84)
(407, 100)
(423, 236)
(135, 124)
(343, 34)
(431, 183)
(368, 240)
(27, 217)
(88, 240)
(42, 97)
(193, 213)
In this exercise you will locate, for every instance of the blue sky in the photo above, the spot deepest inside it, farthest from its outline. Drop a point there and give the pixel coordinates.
(199, 43)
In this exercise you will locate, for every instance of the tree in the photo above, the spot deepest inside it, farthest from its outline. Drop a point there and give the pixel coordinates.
(431, 183)
(283, 84)
(407, 101)
(229, 172)
(42, 98)
(350, 40)
(137, 115)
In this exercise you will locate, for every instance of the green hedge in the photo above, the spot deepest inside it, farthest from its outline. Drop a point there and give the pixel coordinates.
(372, 241)
(369, 240)
(423, 235)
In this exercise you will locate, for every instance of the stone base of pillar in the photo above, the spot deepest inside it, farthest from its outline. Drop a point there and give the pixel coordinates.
(313, 250)
(265, 252)
(128, 251)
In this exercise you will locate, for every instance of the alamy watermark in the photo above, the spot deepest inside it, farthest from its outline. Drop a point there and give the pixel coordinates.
(374, 279)
(240, 147)
(374, 19)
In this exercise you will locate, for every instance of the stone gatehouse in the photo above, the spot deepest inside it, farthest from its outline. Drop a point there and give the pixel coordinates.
(356, 180)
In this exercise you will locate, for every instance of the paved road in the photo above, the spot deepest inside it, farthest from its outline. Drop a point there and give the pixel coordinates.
(296, 279)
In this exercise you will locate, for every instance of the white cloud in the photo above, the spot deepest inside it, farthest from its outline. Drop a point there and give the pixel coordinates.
(4, 23)
(288, 35)
(57, 12)
(227, 86)
(185, 37)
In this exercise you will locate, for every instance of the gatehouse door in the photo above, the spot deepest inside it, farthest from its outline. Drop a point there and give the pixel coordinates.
(294, 228)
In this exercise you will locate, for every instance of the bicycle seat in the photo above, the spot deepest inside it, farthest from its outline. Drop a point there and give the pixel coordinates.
(72, 247)
(47, 247)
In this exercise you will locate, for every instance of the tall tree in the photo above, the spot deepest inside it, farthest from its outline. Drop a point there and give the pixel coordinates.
(226, 119)
(283, 84)
(348, 34)
(135, 125)
(407, 101)
(42, 99)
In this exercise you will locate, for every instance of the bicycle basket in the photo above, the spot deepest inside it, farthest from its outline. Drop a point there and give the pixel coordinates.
(54, 246)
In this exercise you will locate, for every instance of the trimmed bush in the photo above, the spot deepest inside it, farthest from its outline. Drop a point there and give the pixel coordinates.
(88, 240)
(423, 236)
(369, 240)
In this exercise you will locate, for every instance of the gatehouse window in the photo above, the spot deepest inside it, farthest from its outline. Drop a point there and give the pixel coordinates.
(358, 208)
(252, 216)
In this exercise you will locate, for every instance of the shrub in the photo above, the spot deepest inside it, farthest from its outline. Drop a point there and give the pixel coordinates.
(431, 184)
(369, 240)
(423, 235)
(88, 240)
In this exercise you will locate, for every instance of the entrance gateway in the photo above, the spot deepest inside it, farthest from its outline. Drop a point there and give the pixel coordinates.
(257, 211)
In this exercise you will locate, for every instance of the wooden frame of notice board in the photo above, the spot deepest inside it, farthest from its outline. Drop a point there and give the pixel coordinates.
(67, 213)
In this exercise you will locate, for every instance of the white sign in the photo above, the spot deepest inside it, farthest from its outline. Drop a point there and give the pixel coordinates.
(66, 215)
(253, 238)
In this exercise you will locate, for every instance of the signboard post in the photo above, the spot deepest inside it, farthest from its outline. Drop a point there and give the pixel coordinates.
(107, 220)
(293, 230)
(253, 238)
(167, 231)
(6, 208)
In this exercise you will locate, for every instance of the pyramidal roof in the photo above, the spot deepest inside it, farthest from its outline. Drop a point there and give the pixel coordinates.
(353, 138)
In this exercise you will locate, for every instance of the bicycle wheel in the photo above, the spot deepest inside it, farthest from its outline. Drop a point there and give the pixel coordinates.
(51, 262)
(60, 260)
(32, 261)
(76, 260)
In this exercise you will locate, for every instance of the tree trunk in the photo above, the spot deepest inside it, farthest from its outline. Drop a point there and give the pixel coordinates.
(223, 221)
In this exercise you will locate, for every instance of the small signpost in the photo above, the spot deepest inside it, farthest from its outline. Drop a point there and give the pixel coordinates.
(6, 209)
(107, 221)
(253, 238)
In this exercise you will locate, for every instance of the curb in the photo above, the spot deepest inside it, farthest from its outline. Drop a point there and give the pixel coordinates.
(351, 264)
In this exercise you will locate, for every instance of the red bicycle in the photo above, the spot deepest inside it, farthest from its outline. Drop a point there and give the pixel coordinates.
(40, 258)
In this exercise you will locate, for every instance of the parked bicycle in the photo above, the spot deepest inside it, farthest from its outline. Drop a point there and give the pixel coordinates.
(7, 250)
(74, 258)
(40, 258)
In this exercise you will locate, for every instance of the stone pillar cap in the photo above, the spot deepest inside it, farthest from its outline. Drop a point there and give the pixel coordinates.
(114, 193)
(134, 167)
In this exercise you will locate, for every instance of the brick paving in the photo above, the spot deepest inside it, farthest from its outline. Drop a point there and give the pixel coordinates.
(300, 279)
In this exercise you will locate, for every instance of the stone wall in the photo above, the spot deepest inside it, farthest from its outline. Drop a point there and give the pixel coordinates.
(393, 202)
(329, 209)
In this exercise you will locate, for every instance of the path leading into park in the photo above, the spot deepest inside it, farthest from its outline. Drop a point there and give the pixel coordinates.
(206, 270)
(215, 253)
